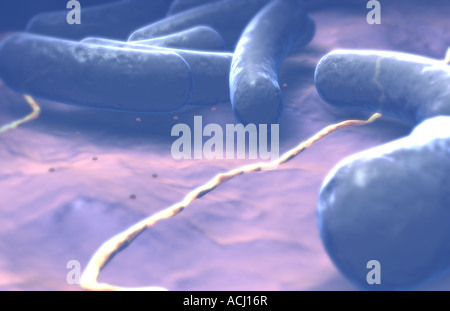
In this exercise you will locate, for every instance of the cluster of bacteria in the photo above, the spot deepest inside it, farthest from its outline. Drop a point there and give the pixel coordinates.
(386, 203)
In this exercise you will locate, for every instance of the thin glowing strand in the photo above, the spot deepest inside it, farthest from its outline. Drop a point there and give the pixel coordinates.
(120, 241)
(36, 110)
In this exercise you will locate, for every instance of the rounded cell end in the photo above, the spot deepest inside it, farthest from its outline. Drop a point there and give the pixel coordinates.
(47, 24)
(319, 78)
(256, 100)
(382, 205)
(308, 34)
(138, 35)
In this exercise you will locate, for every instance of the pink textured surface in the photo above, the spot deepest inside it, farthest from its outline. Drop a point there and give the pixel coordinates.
(257, 232)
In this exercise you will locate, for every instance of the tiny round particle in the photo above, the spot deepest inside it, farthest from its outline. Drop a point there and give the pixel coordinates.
(213, 108)
(154, 175)
(175, 118)
(284, 85)
(51, 169)
(133, 196)
(94, 159)
(138, 119)
(77, 133)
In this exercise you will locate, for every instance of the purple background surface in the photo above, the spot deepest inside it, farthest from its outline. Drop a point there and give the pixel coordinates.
(256, 232)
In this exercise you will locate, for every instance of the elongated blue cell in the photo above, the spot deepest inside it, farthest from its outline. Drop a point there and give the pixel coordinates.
(391, 203)
(409, 87)
(210, 71)
(178, 6)
(228, 17)
(115, 20)
(255, 93)
(95, 76)
(201, 38)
